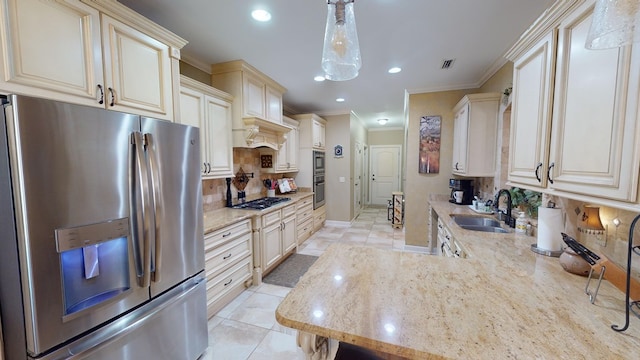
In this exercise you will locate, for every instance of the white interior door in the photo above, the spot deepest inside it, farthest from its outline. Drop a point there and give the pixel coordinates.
(385, 173)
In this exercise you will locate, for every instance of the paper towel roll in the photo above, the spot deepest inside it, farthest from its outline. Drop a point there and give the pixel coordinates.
(550, 225)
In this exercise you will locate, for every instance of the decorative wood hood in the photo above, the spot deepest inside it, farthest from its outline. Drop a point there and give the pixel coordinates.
(257, 104)
(258, 132)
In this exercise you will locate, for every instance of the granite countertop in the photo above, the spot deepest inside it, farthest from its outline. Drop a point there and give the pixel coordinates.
(217, 219)
(503, 301)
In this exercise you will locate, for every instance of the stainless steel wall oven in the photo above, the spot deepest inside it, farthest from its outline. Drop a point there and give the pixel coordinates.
(318, 179)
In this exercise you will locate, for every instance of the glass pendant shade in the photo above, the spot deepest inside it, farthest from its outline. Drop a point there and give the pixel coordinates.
(615, 23)
(341, 52)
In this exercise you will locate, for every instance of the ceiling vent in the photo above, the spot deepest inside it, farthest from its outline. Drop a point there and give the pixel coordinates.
(447, 63)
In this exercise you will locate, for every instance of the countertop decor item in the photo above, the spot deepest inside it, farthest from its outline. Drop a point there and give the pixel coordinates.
(573, 263)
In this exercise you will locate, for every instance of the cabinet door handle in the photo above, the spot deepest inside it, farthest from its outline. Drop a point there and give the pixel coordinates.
(113, 96)
(549, 172)
(228, 282)
(457, 166)
(537, 174)
(208, 168)
(227, 234)
(226, 257)
(101, 101)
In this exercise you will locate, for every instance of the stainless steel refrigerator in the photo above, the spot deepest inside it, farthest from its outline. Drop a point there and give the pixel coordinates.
(101, 239)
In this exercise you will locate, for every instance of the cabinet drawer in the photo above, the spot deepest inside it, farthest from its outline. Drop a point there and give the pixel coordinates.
(306, 201)
(288, 211)
(318, 220)
(271, 218)
(304, 212)
(305, 229)
(220, 285)
(218, 258)
(227, 233)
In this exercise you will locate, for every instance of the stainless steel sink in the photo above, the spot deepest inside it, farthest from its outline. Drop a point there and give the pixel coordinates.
(484, 228)
(478, 223)
(470, 220)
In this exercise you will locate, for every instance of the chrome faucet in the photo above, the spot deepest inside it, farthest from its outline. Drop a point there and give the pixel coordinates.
(508, 219)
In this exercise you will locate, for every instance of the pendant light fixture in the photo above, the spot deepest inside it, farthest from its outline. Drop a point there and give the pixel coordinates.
(341, 52)
(615, 23)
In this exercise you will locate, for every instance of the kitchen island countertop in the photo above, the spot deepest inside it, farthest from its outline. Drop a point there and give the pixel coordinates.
(503, 301)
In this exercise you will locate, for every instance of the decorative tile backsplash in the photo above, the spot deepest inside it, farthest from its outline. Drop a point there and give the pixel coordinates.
(214, 191)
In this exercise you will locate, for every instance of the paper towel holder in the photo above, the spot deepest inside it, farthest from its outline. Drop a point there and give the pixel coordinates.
(552, 253)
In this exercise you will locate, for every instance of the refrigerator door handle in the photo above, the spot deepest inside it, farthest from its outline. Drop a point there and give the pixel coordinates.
(142, 249)
(157, 206)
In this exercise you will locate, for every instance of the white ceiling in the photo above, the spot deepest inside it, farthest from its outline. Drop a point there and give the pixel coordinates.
(416, 35)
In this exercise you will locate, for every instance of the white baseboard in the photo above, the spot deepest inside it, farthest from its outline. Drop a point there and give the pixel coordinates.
(418, 249)
(335, 223)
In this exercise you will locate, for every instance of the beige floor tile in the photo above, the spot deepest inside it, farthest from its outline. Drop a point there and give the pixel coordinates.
(233, 340)
(277, 346)
(258, 309)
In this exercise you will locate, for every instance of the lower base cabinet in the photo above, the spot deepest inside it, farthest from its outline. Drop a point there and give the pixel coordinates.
(228, 264)
(319, 217)
(276, 238)
(304, 218)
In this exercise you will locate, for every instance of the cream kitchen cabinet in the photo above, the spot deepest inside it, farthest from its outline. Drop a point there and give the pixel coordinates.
(228, 264)
(475, 135)
(304, 218)
(312, 131)
(85, 54)
(592, 130)
(318, 133)
(209, 109)
(257, 107)
(276, 237)
(285, 160)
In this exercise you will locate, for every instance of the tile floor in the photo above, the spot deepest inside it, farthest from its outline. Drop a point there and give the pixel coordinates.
(247, 328)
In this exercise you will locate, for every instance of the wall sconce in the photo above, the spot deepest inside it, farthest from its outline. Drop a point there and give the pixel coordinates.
(591, 221)
(615, 23)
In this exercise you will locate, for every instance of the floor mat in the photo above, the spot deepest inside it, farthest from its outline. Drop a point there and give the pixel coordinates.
(290, 270)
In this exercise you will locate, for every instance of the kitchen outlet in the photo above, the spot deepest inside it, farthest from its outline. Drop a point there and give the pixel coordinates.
(341, 179)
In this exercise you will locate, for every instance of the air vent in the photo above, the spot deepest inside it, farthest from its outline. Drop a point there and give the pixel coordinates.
(447, 63)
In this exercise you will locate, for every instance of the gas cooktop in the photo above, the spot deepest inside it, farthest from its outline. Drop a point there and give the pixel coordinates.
(260, 204)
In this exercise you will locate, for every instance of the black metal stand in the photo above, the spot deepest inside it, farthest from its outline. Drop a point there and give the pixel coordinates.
(629, 305)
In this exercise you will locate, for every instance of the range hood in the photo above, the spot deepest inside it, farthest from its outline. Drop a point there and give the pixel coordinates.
(259, 132)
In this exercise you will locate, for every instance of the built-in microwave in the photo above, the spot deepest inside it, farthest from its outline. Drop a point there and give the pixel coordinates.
(318, 162)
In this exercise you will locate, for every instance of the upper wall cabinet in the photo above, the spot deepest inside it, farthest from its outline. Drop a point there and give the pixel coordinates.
(285, 160)
(209, 109)
(475, 135)
(257, 108)
(97, 53)
(586, 146)
(312, 131)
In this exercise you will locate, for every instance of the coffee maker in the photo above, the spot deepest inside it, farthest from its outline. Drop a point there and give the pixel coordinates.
(461, 191)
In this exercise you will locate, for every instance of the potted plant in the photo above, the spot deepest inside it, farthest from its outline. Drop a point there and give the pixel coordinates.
(526, 200)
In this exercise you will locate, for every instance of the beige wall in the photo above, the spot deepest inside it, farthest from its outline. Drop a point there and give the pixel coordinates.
(338, 193)
(385, 137)
(358, 136)
(418, 186)
(501, 80)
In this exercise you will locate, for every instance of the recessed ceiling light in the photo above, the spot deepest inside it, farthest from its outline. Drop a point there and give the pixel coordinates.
(319, 78)
(394, 70)
(340, 99)
(261, 15)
